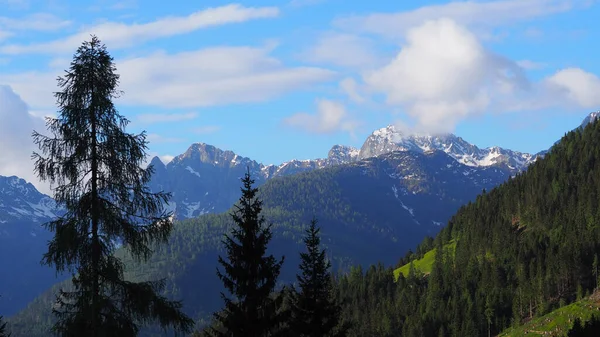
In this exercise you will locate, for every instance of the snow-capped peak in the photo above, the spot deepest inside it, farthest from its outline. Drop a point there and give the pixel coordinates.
(21, 201)
(390, 139)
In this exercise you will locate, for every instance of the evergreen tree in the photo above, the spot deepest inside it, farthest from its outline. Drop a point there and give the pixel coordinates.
(94, 167)
(3, 330)
(249, 275)
(315, 312)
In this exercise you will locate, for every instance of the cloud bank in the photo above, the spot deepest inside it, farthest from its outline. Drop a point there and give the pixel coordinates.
(15, 137)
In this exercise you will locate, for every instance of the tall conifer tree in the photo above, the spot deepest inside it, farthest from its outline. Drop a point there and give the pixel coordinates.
(250, 275)
(95, 170)
(314, 310)
(3, 329)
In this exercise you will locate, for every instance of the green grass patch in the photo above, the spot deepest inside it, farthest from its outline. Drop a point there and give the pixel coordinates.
(424, 264)
(558, 322)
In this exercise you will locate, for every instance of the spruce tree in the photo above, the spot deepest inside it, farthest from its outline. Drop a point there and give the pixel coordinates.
(249, 275)
(314, 310)
(94, 168)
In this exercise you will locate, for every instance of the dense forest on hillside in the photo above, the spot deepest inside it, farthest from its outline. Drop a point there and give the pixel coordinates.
(522, 250)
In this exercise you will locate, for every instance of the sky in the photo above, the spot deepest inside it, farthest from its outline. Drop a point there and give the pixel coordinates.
(288, 79)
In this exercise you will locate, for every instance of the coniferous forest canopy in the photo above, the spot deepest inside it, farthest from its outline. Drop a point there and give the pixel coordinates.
(518, 252)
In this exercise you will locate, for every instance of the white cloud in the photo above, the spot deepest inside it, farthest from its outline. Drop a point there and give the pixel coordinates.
(167, 117)
(166, 158)
(212, 76)
(531, 65)
(330, 117)
(303, 3)
(16, 144)
(349, 86)
(158, 139)
(443, 74)
(344, 50)
(4, 34)
(206, 77)
(577, 85)
(120, 35)
(35, 22)
(484, 14)
(18, 4)
(36, 88)
(125, 4)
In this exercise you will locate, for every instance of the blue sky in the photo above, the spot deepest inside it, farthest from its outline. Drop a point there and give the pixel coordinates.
(277, 80)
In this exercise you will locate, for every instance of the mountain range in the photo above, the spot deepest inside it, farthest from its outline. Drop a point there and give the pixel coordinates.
(205, 179)
(392, 192)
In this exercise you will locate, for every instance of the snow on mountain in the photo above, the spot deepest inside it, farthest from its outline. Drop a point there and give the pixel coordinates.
(20, 201)
(390, 139)
(341, 154)
(590, 118)
(205, 179)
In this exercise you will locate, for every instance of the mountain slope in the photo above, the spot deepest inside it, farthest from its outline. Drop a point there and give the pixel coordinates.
(205, 179)
(558, 322)
(22, 242)
(523, 249)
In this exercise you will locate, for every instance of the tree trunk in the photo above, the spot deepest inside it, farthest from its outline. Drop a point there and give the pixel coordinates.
(95, 218)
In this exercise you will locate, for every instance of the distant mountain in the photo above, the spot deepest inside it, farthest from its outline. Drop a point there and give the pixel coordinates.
(23, 209)
(20, 200)
(205, 179)
(391, 138)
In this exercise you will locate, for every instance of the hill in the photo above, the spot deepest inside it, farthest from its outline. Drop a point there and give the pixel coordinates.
(558, 322)
(424, 264)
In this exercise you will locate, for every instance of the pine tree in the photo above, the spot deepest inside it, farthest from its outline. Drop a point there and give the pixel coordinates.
(249, 275)
(95, 170)
(3, 330)
(315, 312)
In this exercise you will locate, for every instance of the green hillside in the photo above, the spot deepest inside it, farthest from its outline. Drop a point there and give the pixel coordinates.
(424, 264)
(558, 322)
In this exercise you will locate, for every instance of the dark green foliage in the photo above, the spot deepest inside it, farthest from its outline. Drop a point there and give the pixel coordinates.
(315, 311)
(3, 329)
(591, 328)
(95, 167)
(249, 274)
